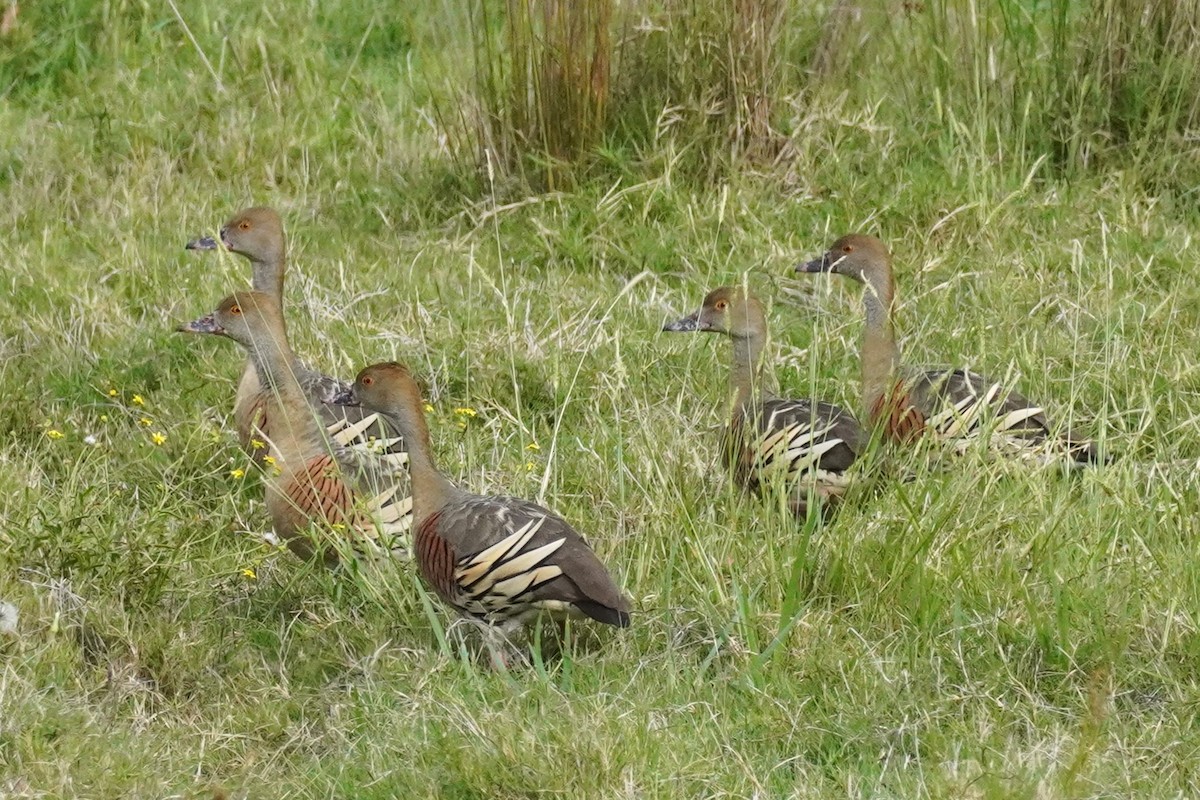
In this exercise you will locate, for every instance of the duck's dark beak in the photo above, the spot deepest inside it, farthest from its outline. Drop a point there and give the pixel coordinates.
(822, 264)
(343, 396)
(688, 324)
(206, 324)
(203, 243)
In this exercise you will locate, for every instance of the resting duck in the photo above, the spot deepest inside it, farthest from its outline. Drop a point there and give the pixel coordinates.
(343, 493)
(955, 405)
(498, 560)
(809, 444)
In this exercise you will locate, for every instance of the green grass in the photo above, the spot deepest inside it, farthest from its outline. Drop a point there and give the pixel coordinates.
(979, 631)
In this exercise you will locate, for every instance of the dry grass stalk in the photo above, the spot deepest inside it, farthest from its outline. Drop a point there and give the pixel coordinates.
(545, 93)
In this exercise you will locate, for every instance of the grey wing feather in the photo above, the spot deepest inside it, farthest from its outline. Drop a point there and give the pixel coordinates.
(513, 554)
(811, 435)
(960, 404)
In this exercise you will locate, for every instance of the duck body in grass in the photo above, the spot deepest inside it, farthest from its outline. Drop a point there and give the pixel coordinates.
(499, 560)
(257, 235)
(808, 445)
(955, 405)
(320, 493)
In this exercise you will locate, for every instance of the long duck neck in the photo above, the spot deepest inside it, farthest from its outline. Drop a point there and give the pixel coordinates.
(746, 377)
(880, 353)
(298, 434)
(431, 490)
(266, 275)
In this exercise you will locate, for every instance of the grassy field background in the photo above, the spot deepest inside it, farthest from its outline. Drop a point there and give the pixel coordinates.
(980, 631)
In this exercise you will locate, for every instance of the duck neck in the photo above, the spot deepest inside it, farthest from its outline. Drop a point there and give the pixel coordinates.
(431, 490)
(746, 376)
(278, 372)
(266, 275)
(880, 353)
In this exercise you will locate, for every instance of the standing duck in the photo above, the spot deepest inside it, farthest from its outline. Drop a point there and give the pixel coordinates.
(953, 405)
(498, 560)
(318, 481)
(257, 235)
(808, 443)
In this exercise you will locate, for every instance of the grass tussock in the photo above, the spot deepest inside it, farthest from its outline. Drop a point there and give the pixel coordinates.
(564, 87)
(700, 88)
(1103, 84)
(543, 74)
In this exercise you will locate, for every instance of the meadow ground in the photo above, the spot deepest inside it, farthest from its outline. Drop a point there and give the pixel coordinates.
(979, 631)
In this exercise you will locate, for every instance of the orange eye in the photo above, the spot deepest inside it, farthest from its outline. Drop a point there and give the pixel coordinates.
(721, 305)
(367, 380)
(847, 248)
(244, 225)
(235, 309)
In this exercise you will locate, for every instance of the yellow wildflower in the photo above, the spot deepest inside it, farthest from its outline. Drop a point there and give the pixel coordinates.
(158, 437)
(428, 408)
(249, 572)
(529, 465)
(237, 473)
(54, 433)
(112, 392)
(138, 400)
(269, 460)
(104, 417)
(257, 444)
(532, 446)
(466, 412)
(145, 422)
